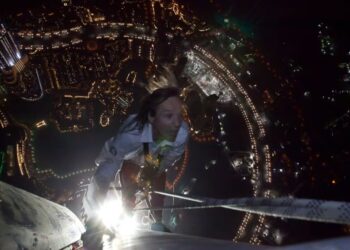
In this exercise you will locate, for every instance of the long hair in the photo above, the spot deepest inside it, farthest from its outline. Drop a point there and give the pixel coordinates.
(149, 106)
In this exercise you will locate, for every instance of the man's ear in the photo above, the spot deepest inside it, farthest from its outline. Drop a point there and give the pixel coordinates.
(150, 118)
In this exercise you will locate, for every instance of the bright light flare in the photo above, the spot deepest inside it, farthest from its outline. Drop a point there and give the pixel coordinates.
(128, 226)
(114, 217)
(111, 212)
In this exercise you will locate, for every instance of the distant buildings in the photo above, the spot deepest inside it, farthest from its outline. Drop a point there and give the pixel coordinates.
(326, 41)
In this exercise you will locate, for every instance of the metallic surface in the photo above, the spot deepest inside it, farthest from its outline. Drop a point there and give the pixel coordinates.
(28, 221)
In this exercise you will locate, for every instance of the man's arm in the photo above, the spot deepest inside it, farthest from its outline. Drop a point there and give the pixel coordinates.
(112, 155)
(109, 162)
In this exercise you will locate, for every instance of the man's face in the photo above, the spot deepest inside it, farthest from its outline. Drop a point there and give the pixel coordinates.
(167, 120)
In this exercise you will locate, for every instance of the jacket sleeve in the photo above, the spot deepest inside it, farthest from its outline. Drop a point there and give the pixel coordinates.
(108, 163)
(111, 157)
(110, 160)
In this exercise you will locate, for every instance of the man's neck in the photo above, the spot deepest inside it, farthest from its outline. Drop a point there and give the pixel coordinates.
(157, 138)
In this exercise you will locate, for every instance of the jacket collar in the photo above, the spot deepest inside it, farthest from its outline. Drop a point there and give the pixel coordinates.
(147, 135)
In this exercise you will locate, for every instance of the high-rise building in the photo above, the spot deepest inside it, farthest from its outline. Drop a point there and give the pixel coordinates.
(10, 54)
(11, 60)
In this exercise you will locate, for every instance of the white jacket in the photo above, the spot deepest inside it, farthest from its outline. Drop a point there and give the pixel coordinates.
(128, 145)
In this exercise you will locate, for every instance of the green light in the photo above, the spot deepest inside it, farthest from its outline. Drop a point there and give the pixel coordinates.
(2, 161)
(233, 23)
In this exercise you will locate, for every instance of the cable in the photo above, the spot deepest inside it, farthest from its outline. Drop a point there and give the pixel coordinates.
(302, 209)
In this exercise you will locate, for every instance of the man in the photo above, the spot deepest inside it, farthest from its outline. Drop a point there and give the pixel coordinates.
(158, 131)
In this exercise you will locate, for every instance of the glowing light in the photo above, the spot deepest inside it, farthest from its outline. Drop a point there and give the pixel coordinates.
(11, 62)
(41, 124)
(111, 212)
(128, 226)
(114, 217)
